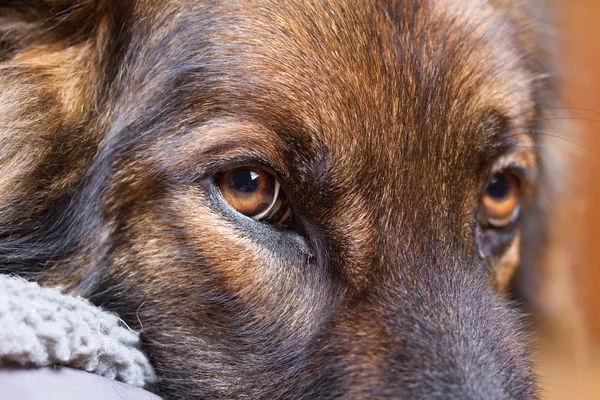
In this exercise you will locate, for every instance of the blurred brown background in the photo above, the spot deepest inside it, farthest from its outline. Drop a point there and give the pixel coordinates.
(570, 366)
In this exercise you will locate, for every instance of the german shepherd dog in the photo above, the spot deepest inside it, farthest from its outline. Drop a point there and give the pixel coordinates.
(289, 199)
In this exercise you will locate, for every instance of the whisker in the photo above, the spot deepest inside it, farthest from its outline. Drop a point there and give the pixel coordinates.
(572, 108)
(563, 138)
(571, 118)
(535, 147)
(549, 135)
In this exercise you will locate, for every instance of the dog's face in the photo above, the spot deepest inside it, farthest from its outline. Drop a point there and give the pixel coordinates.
(289, 199)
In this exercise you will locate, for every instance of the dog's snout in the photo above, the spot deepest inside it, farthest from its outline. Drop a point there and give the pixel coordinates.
(424, 337)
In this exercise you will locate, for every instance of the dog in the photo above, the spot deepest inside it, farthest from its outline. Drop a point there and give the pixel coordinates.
(288, 199)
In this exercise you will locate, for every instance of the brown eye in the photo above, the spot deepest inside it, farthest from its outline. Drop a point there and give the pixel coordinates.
(501, 200)
(256, 194)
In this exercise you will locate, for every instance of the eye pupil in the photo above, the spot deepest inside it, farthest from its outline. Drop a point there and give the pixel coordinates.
(245, 181)
(499, 187)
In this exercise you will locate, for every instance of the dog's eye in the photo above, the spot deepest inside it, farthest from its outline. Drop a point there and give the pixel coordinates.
(501, 200)
(256, 194)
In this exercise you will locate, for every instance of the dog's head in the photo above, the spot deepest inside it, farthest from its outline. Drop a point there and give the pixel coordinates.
(290, 199)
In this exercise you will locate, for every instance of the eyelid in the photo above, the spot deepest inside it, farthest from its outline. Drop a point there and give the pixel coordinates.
(218, 146)
(522, 161)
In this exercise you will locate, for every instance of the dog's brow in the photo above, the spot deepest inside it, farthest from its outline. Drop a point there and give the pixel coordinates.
(222, 143)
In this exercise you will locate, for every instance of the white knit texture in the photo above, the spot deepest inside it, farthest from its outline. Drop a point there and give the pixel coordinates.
(43, 327)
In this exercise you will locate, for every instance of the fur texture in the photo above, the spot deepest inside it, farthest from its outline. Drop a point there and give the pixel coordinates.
(383, 121)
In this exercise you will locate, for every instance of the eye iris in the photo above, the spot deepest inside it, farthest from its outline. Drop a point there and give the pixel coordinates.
(501, 200)
(256, 194)
(249, 191)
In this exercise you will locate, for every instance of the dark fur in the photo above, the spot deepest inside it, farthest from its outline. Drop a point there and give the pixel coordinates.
(382, 119)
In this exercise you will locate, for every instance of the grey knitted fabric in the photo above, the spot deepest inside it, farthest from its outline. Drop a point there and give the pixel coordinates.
(43, 327)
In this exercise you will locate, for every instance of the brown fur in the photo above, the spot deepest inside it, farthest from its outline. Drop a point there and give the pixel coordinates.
(382, 119)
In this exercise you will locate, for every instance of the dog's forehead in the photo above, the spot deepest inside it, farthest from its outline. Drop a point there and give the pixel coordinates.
(353, 85)
(372, 75)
